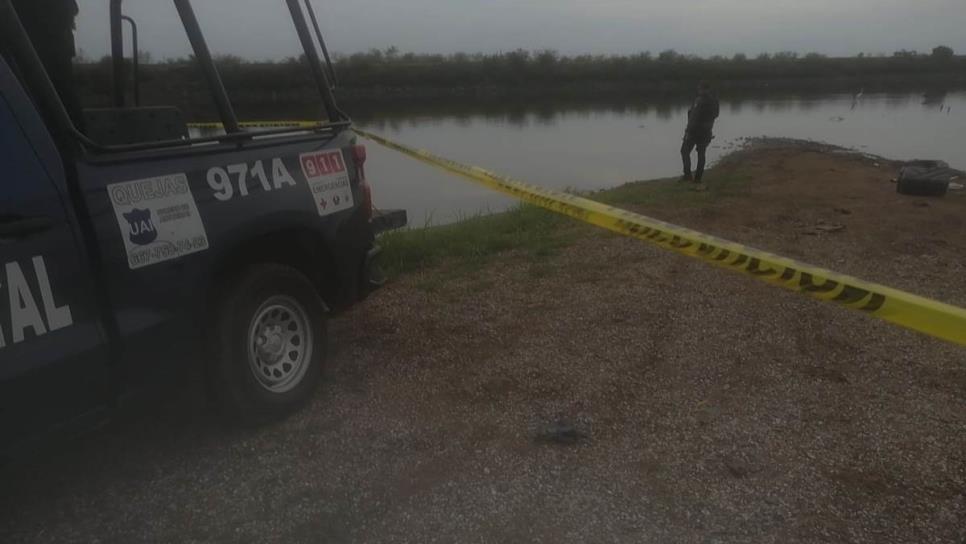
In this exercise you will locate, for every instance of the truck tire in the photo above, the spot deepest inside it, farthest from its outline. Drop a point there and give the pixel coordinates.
(269, 344)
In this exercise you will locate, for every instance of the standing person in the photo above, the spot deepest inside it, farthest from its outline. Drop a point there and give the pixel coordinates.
(50, 25)
(699, 133)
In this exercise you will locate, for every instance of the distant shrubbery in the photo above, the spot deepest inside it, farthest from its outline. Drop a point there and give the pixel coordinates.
(389, 71)
(389, 68)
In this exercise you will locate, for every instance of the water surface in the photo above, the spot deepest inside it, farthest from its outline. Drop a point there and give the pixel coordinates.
(603, 145)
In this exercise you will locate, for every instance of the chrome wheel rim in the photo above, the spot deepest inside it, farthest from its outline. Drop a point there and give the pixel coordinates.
(280, 344)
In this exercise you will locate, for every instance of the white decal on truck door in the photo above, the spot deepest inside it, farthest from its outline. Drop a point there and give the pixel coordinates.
(280, 175)
(24, 310)
(57, 317)
(220, 179)
(158, 219)
(328, 179)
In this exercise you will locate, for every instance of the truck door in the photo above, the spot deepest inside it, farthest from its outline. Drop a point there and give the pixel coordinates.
(53, 360)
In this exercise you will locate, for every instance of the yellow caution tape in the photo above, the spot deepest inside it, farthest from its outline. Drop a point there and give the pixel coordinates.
(259, 124)
(898, 307)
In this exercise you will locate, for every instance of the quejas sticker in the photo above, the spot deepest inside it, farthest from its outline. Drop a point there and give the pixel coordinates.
(328, 179)
(158, 218)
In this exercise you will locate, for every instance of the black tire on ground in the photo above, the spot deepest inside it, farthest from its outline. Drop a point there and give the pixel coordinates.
(268, 345)
(929, 178)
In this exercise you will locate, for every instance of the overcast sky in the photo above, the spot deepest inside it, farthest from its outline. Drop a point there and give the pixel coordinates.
(261, 29)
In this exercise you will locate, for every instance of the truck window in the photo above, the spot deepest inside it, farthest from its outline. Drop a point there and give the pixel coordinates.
(148, 86)
(267, 77)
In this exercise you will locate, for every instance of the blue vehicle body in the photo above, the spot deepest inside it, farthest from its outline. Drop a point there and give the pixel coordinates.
(111, 262)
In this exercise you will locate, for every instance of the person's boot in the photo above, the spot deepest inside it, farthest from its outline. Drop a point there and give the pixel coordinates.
(686, 177)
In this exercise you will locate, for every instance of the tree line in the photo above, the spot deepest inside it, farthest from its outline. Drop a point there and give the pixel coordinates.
(390, 70)
(522, 67)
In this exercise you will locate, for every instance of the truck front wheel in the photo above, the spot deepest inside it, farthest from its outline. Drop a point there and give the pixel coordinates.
(269, 344)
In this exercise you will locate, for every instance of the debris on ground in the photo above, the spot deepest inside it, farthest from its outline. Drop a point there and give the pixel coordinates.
(561, 432)
(821, 228)
(926, 178)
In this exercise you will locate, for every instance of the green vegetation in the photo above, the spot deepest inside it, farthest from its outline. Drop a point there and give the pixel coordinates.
(533, 231)
(389, 68)
(671, 192)
(392, 75)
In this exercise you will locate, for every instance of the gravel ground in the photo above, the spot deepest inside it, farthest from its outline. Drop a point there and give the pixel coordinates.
(611, 393)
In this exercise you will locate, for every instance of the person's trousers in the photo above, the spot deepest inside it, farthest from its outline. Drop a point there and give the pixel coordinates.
(701, 142)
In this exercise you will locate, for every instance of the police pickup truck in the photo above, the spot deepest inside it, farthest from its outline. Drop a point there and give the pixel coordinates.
(129, 247)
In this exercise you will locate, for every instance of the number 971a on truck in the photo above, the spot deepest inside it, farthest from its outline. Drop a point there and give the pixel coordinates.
(131, 247)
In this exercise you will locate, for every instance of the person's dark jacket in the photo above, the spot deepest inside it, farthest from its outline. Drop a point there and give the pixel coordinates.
(702, 115)
(50, 24)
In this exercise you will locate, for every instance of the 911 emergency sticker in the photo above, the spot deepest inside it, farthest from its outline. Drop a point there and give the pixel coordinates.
(158, 218)
(328, 179)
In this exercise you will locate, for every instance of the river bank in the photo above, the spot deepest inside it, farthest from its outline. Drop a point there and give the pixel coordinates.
(767, 199)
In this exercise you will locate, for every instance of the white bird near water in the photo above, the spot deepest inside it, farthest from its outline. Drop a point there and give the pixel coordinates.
(856, 97)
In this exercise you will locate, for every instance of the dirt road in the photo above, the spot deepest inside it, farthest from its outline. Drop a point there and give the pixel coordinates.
(609, 393)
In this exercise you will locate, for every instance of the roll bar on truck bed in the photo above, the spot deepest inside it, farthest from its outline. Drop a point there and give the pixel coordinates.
(13, 37)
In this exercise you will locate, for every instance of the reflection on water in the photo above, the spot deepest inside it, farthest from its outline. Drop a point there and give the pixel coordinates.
(598, 145)
(935, 99)
(593, 144)
(897, 101)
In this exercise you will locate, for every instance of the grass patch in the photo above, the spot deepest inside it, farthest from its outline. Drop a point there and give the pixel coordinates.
(673, 193)
(472, 241)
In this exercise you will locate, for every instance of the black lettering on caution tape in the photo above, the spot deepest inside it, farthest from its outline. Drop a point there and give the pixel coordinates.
(931, 317)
